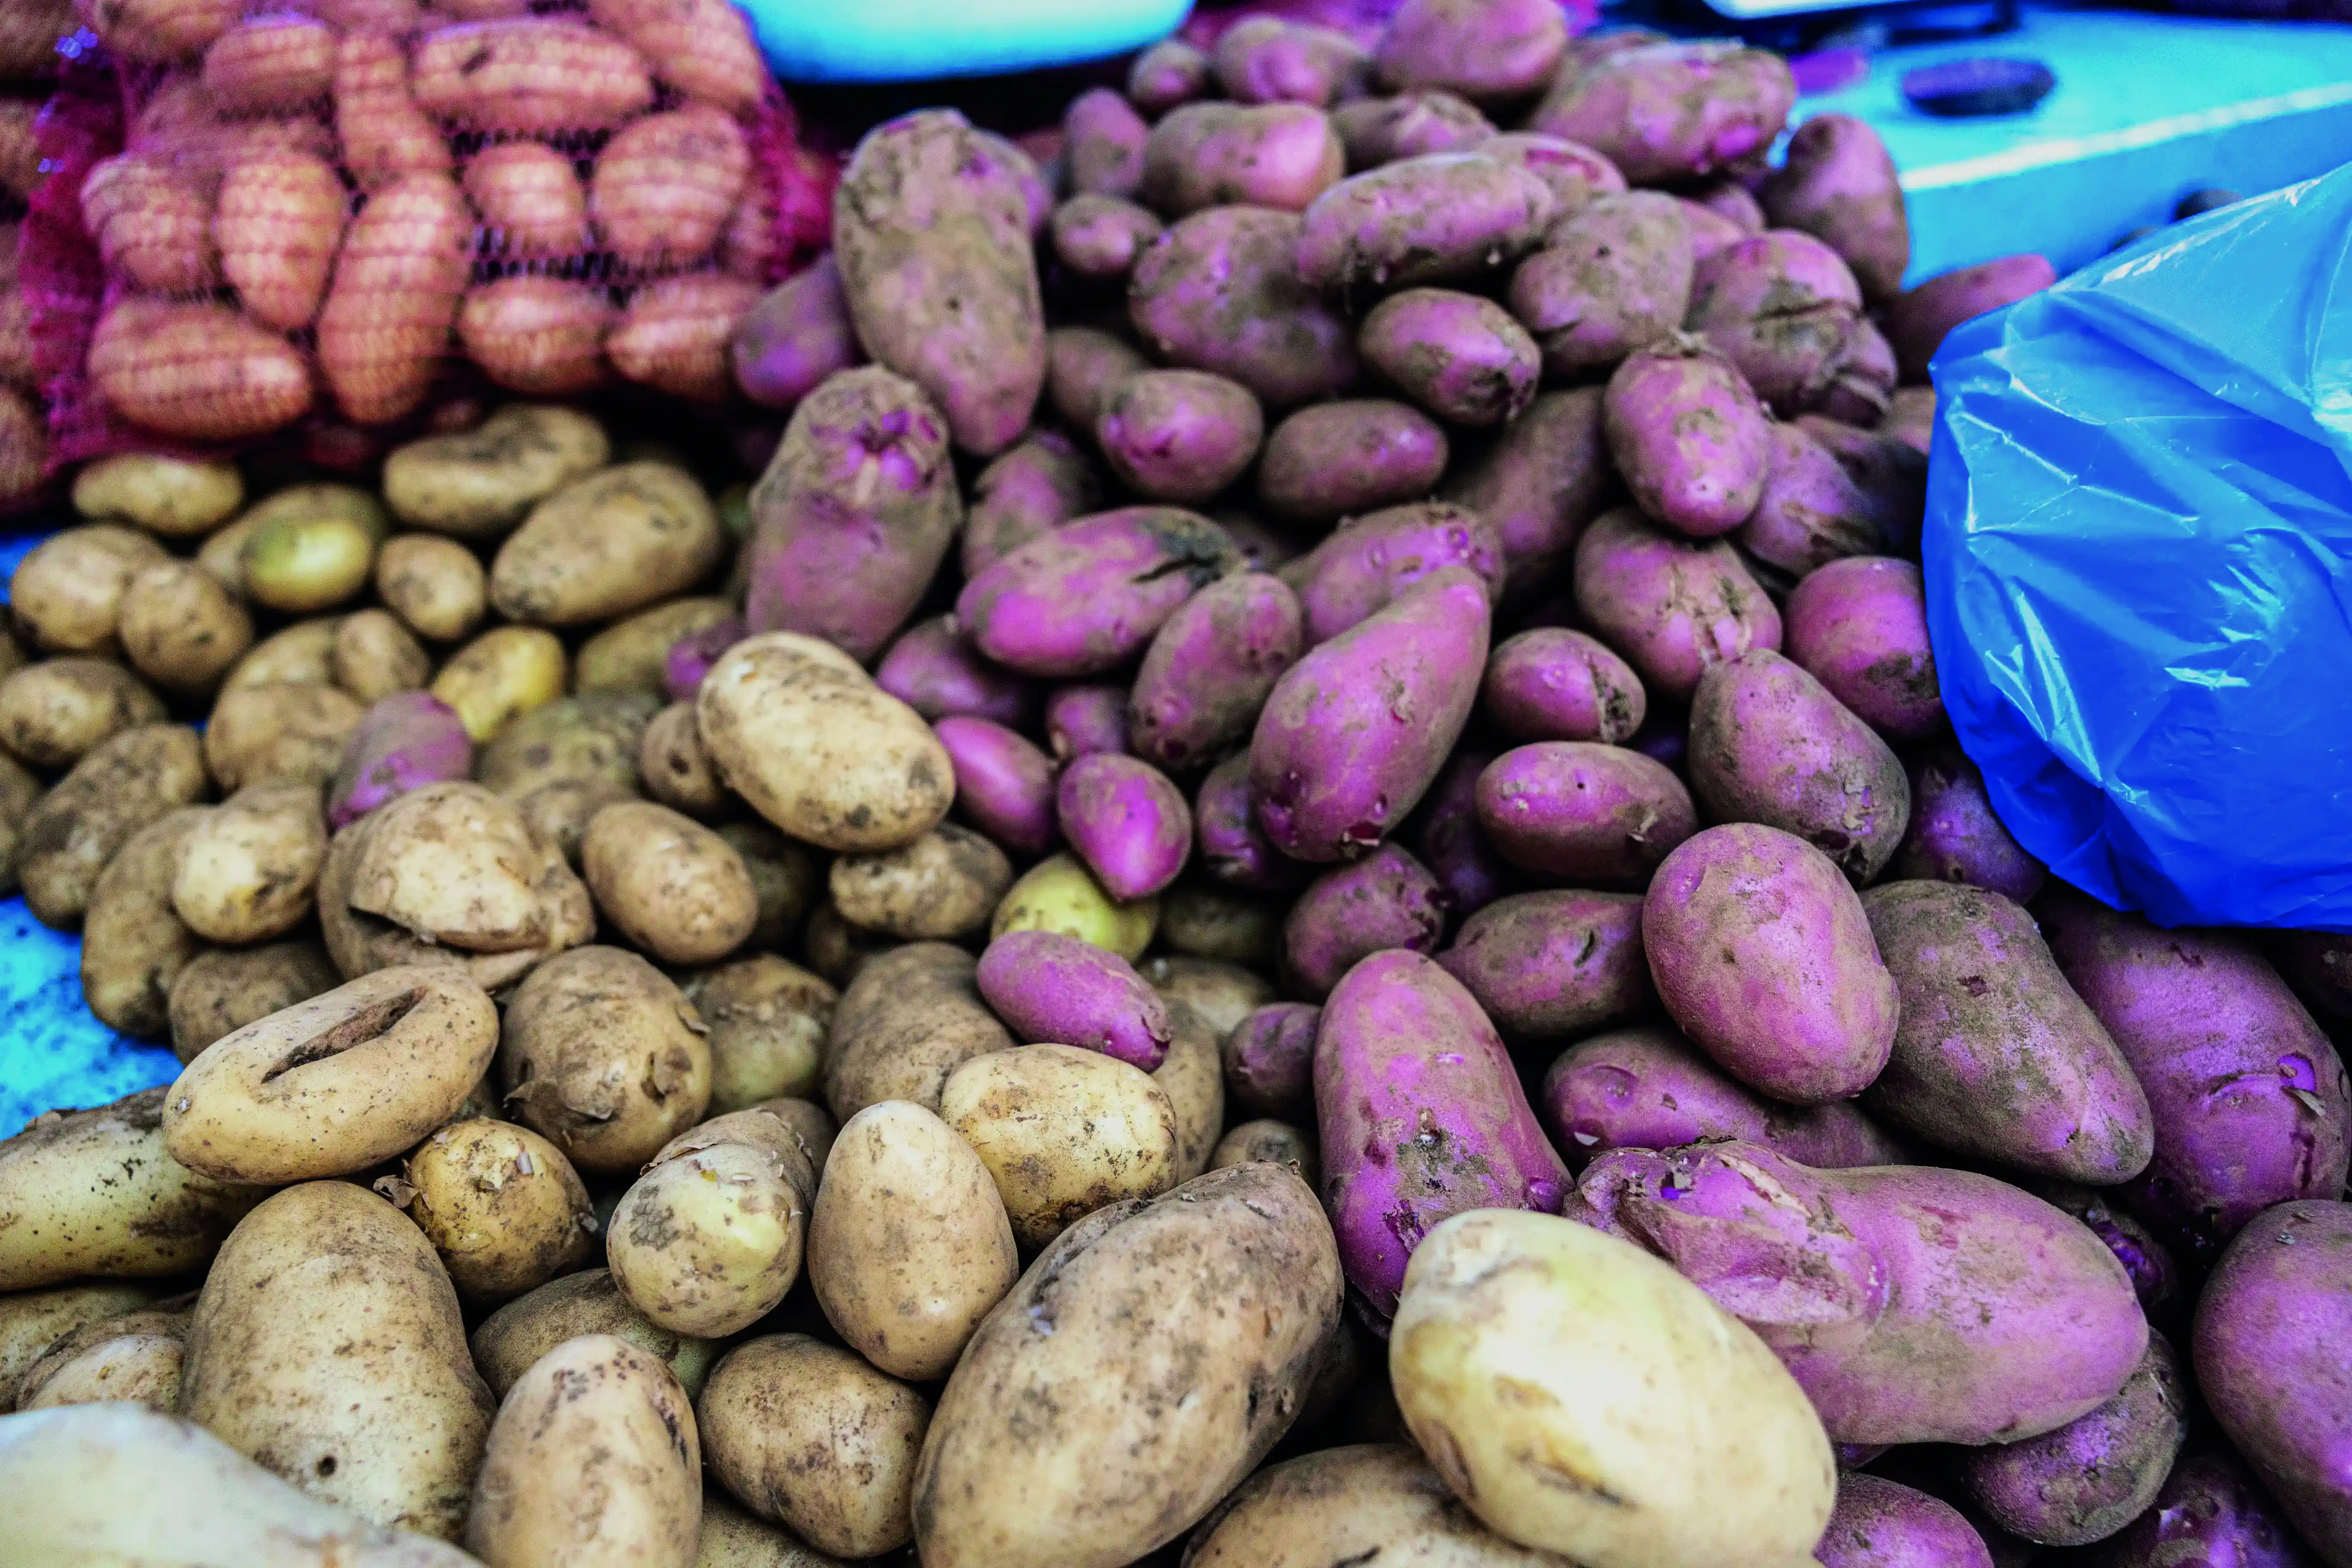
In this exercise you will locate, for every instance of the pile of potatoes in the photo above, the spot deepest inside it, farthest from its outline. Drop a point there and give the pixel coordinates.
(1292, 890)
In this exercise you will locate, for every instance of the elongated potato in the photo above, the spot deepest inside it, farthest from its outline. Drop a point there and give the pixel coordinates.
(483, 481)
(136, 1357)
(135, 943)
(120, 785)
(605, 545)
(709, 1240)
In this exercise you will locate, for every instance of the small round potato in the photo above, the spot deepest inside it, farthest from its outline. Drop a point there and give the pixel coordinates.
(174, 496)
(603, 1057)
(67, 593)
(500, 676)
(303, 654)
(434, 584)
(181, 629)
(375, 656)
(1272, 1143)
(118, 786)
(671, 885)
(133, 942)
(810, 1436)
(53, 712)
(767, 1018)
(136, 1357)
(222, 555)
(293, 734)
(1064, 1131)
(300, 563)
(515, 1336)
(249, 869)
(501, 1205)
(941, 887)
(709, 1240)
(677, 768)
(1059, 894)
(479, 483)
(216, 993)
(633, 653)
(596, 734)
(908, 1244)
(784, 875)
(594, 1459)
(605, 545)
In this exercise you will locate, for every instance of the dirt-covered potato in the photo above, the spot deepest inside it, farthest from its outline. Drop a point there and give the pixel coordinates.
(594, 1459)
(33, 1321)
(1139, 1370)
(501, 1205)
(67, 593)
(479, 483)
(767, 1019)
(375, 656)
(53, 712)
(667, 883)
(1194, 1079)
(18, 790)
(709, 1240)
(326, 1346)
(675, 767)
(1354, 1504)
(941, 887)
(631, 654)
(337, 1083)
(605, 545)
(435, 585)
(136, 1357)
(908, 1246)
(92, 1193)
(810, 1435)
(604, 1056)
(784, 875)
(836, 949)
(515, 1336)
(1064, 1131)
(180, 628)
(120, 784)
(178, 498)
(596, 734)
(288, 733)
(248, 869)
(135, 943)
(217, 993)
(912, 1017)
(500, 676)
(1201, 920)
(1221, 991)
(301, 655)
(734, 1538)
(1270, 1142)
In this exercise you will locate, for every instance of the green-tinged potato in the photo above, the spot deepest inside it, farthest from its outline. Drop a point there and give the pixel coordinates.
(222, 555)
(120, 784)
(335, 1084)
(375, 656)
(1064, 1131)
(291, 734)
(912, 1017)
(631, 655)
(594, 1461)
(299, 563)
(479, 484)
(181, 629)
(733, 1539)
(1140, 1369)
(219, 992)
(1193, 1079)
(784, 875)
(501, 1205)
(136, 1357)
(303, 654)
(810, 1436)
(767, 1019)
(54, 711)
(1583, 1398)
(135, 943)
(908, 1246)
(33, 1321)
(326, 1345)
(1201, 920)
(94, 1194)
(709, 1240)
(174, 496)
(500, 676)
(66, 595)
(435, 585)
(1059, 894)
(1359, 1504)
(66, 1476)
(519, 1334)
(602, 1056)
(941, 887)
(606, 544)
(248, 869)
(596, 734)
(667, 883)
(803, 734)
(675, 767)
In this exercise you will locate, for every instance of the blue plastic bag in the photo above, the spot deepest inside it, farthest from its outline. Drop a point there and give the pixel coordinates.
(2138, 555)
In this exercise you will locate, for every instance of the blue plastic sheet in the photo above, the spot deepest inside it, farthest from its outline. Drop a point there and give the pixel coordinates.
(2138, 553)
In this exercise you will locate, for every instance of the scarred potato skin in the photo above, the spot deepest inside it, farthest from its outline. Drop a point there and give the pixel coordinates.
(1670, 604)
(1441, 218)
(1878, 1524)
(1459, 355)
(1336, 459)
(1337, 1504)
(1584, 813)
(2092, 1477)
(1860, 628)
(1419, 1116)
(1670, 112)
(2209, 1511)
(1276, 155)
(1088, 595)
(709, 1238)
(1689, 437)
(1220, 1295)
(1554, 965)
(1552, 684)
(912, 1016)
(1220, 292)
(1056, 988)
(602, 1057)
(1811, 512)
(1782, 307)
(1387, 899)
(1609, 278)
(1366, 562)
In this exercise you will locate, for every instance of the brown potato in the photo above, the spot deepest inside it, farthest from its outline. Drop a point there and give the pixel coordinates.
(810, 1436)
(908, 1244)
(335, 1084)
(174, 496)
(912, 1017)
(67, 593)
(215, 993)
(18, 791)
(135, 943)
(560, 811)
(784, 875)
(1201, 920)
(515, 1336)
(248, 869)
(941, 887)
(593, 735)
(1223, 993)
(1194, 1077)
(479, 483)
(733, 1539)
(669, 884)
(676, 769)
(631, 655)
(326, 1345)
(709, 1240)
(181, 629)
(375, 656)
(837, 950)
(606, 544)
(280, 733)
(136, 1357)
(501, 1205)
(1270, 1142)
(811, 1123)
(33, 1321)
(1354, 1504)
(301, 655)
(1065, 1131)
(594, 1459)
(603, 1057)
(53, 712)
(123, 783)
(767, 1019)
(435, 585)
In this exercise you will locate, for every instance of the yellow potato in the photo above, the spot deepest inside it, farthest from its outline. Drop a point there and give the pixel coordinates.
(606, 544)
(248, 869)
(1223, 994)
(453, 866)
(170, 496)
(500, 676)
(54, 711)
(733, 1539)
(1064, 1131)
(1270, 1142)
(67, 593)
(301, 565)
(1059, 894)
(293, 734)
(912, 1017)
(767, 1019)
(181, 629)
(630, 654)
(435, 585)
(941, 887)
(667, 883)
(222, 555)
(604, 1058)
(120, 785)
(33, 1321)
(301, 655)
(501, 1205)
(709, 1240)
(515, 1336)
(481, 482)
(218, 992)
(677, 767)
(375, 656)
(595, 735)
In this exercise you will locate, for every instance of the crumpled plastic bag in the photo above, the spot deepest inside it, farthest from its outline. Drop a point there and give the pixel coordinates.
(2138, 556)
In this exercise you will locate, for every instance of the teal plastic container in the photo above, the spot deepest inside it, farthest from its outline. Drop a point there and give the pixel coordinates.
(921, 40)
